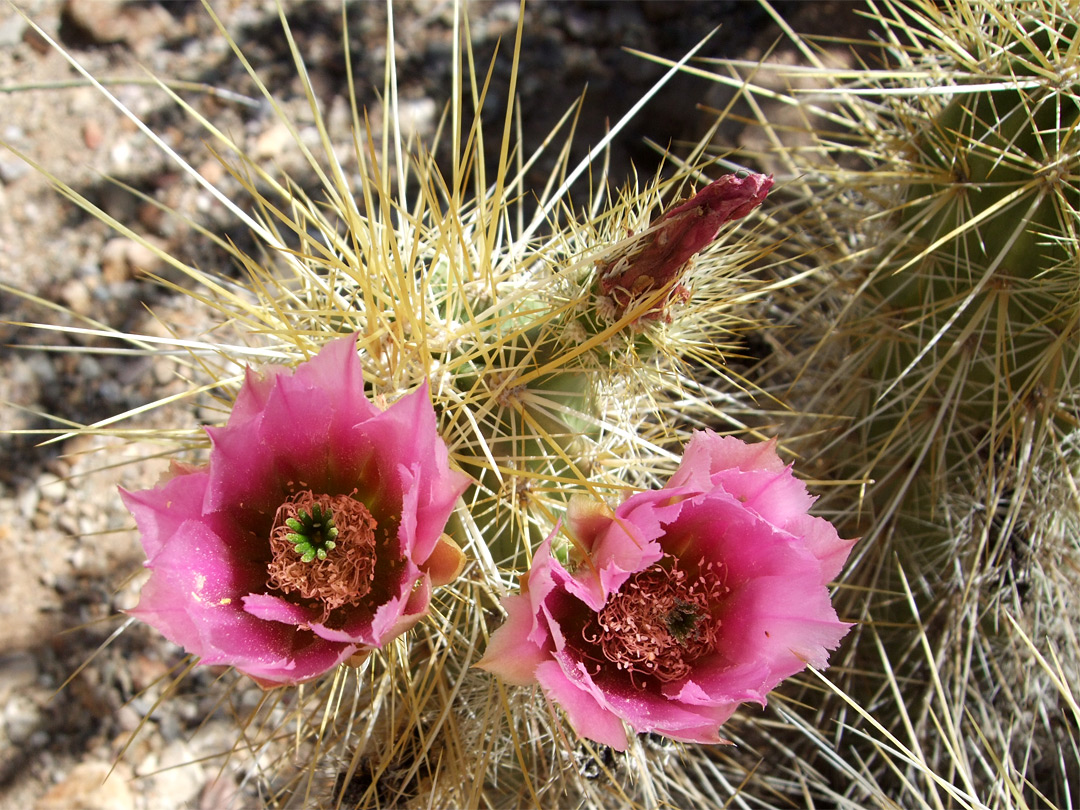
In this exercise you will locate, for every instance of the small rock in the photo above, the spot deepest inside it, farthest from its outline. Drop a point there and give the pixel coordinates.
(18, 670)
(220, 793)
(89, 786)
(145, 671)
(127, 719)
(110, 21)
(68, 524)
(416, 117)
(28, 502)
(41, 366)
(51, 488)
(151, 217)
(122, 258)
(164, 371)
(11, 169)
(76, 295)
(212, 171)
(36, 41)
(173, 778)
(121, 154)
(89, 526)
(98, 20)
(22, 717)
(92, 133)
(88, 368)
(11, 30)
(272, 142)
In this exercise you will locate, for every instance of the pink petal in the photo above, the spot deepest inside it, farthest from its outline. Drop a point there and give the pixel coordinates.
(626, 545)
(722, 530)
(308, 657)
(778, 622)
(695, 720)
(161, 511)
(196, 599)
(276, 609)
(689, 693)
(824, 543)
(542, 581)
(302, 433)
(395, 617)
(253, 394)
(583, 704)
(405, 439)
(356, 632)
(390, 619)
(336, 372)
(779, 497)
(510, 654)
(725, 685)
(679, 721)
(707, 454)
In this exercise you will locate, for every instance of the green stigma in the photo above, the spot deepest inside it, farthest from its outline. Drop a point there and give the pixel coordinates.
(312, 534)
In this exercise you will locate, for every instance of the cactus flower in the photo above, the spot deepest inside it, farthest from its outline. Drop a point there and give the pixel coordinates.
(682, 604)
(314, 533)
(660, 259)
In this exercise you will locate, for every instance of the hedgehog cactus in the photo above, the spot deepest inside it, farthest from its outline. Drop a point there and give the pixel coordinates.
(926, 261)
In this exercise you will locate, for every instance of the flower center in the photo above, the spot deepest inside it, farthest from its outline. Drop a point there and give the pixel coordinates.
(660, 621)
(323, 549)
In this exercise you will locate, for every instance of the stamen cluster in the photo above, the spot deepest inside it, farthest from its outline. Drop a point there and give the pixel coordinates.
(660, 621)
(301, 539)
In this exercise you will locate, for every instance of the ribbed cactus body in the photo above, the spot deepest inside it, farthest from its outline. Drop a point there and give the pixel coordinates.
(978, 279)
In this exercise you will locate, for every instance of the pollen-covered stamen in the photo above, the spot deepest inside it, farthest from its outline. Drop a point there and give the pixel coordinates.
(660, 621)
(323, 549)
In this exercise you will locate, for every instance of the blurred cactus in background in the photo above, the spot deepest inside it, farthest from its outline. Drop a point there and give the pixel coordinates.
(931, 353)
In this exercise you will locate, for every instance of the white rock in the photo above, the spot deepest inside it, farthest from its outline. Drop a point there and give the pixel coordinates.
(171, 778)
(28, 502)
(51, 487)
(22, 717)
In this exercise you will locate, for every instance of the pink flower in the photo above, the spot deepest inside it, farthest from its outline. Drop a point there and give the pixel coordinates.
(313, 534)
(684, 603)
(661, 258)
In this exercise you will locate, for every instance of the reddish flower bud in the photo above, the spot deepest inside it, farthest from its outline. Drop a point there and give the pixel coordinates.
(660, 258)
